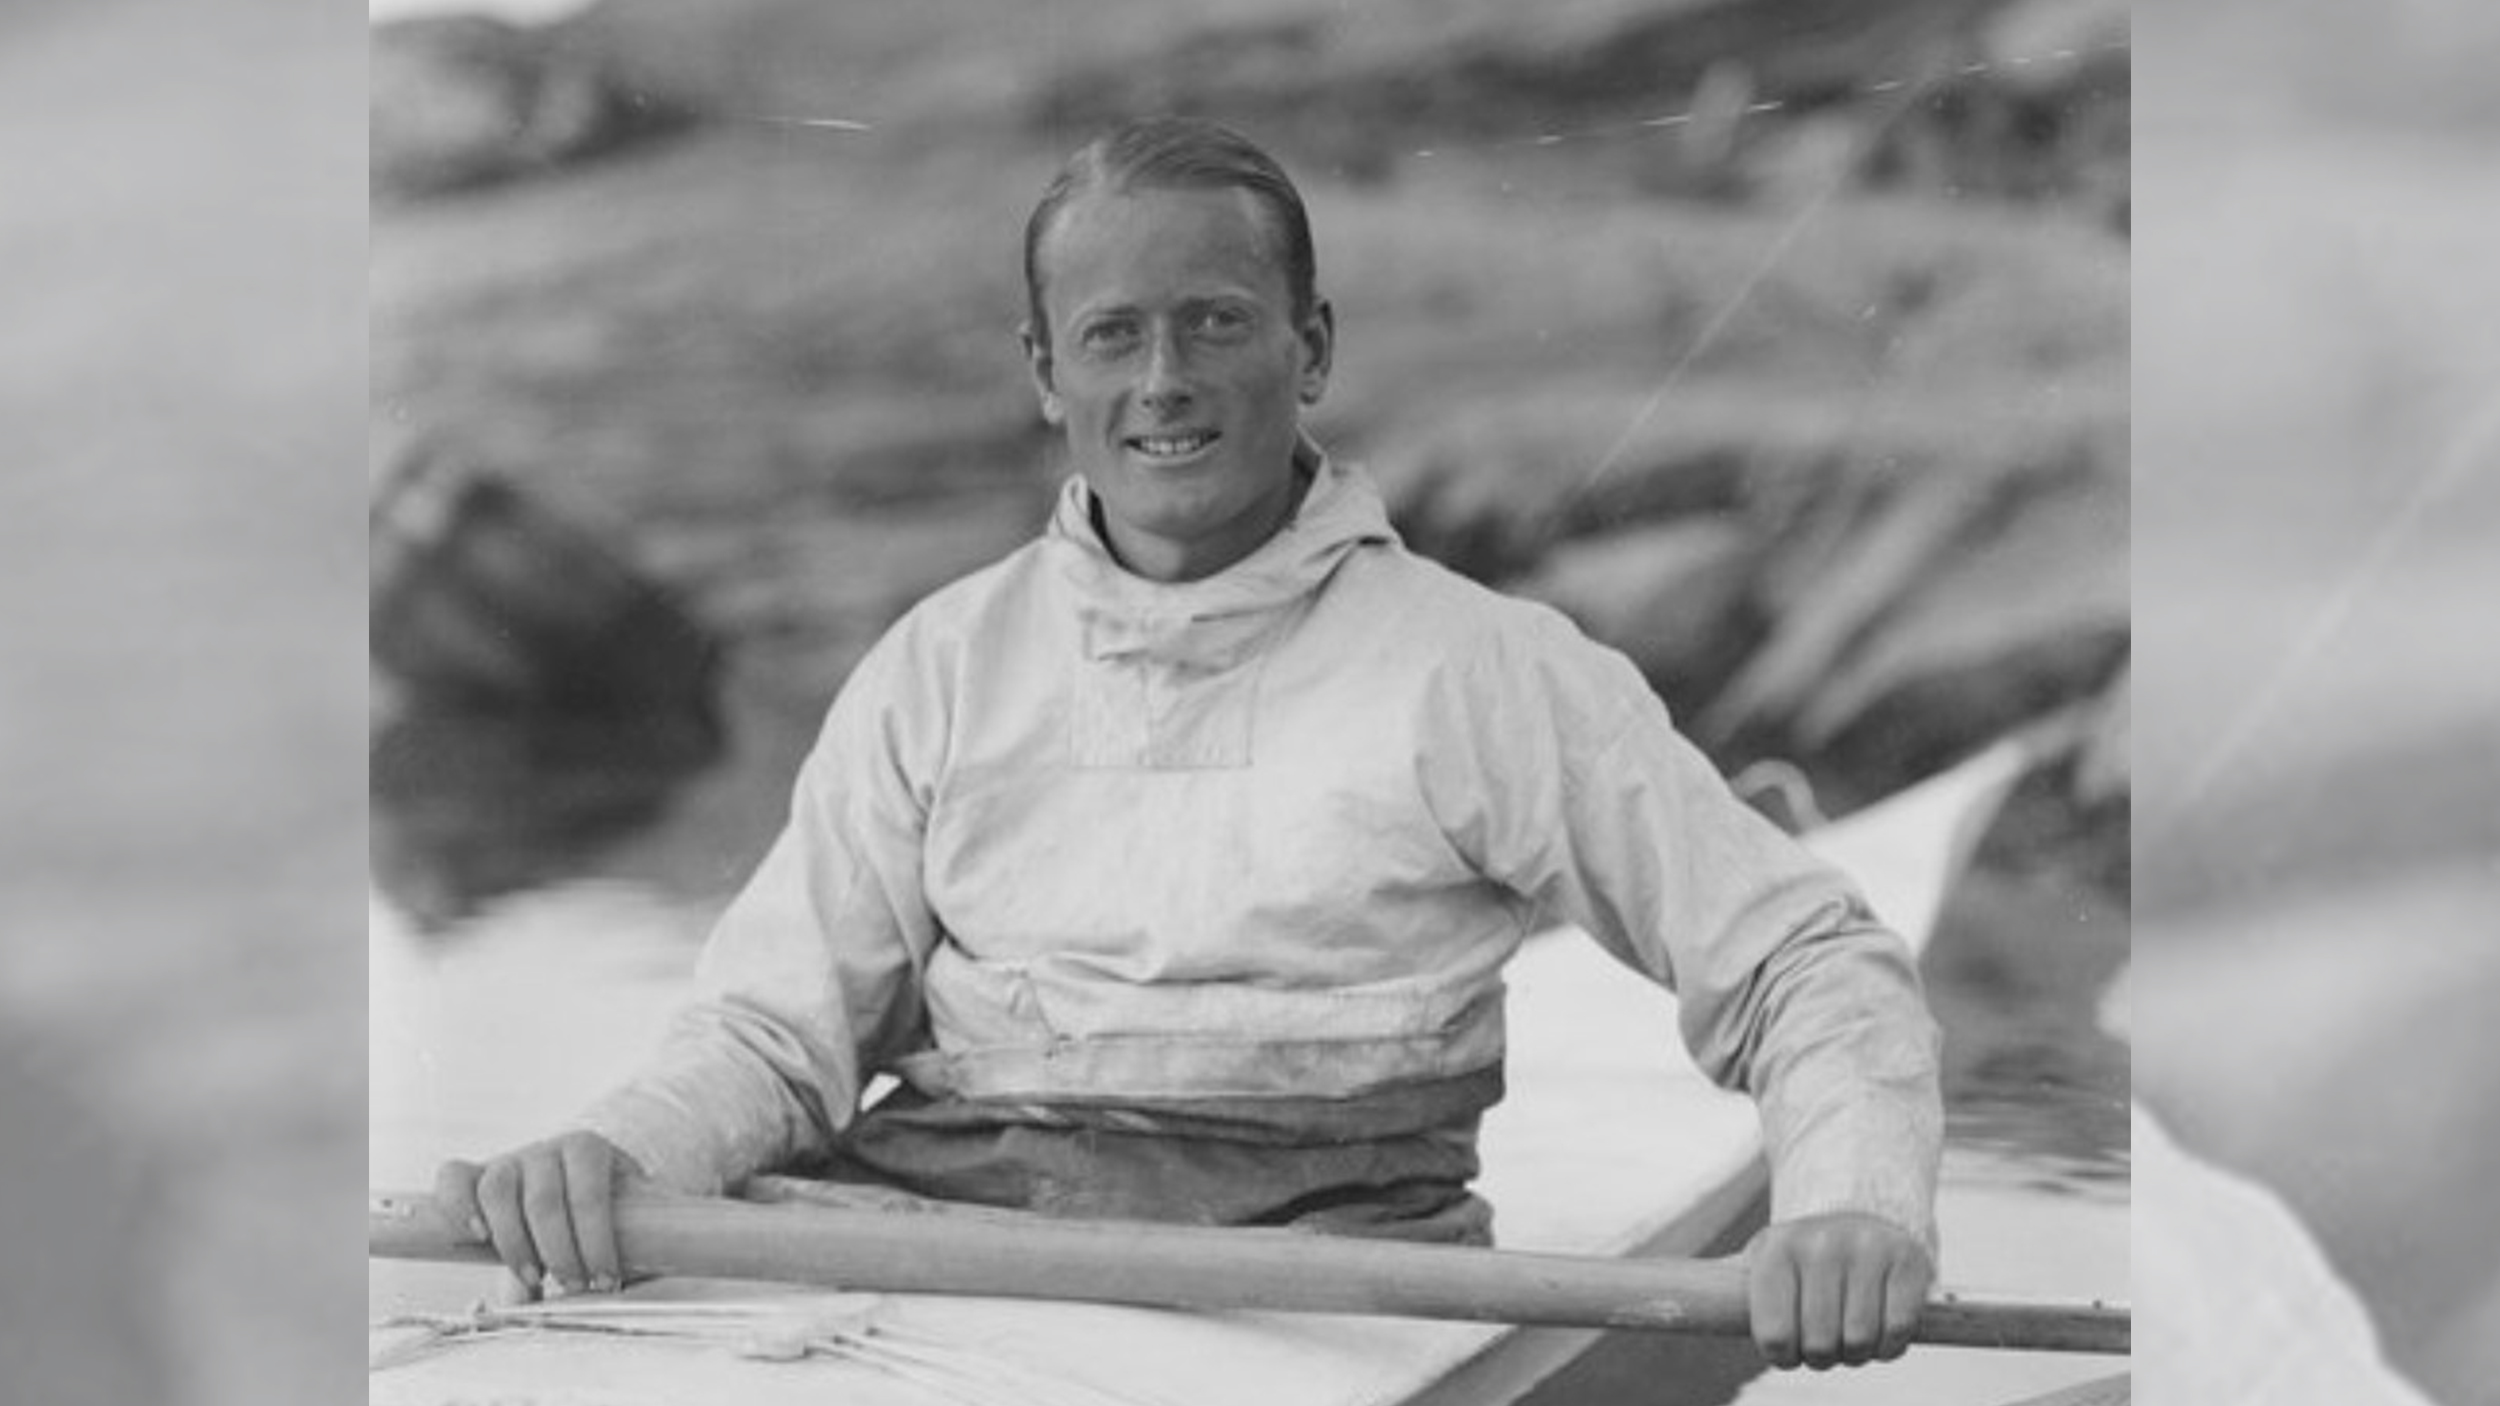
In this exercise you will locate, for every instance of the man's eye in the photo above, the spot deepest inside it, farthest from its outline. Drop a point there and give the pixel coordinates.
(1107, 337)
(1224, 321)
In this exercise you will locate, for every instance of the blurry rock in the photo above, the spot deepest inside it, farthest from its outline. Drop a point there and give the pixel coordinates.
(2046, 45)
(463, 101)
(1676, 598)
(546, 696)
(2030, 603)
(1915, 619)
(1199, 71)
(2102, 770)
(1877, 594)
(1492, 485)
(1853, 549)
(484, 598)
(2025, 99)
(2048, 306)
(2039, 111)
(894, 450)
(1803, 161)
(472, 805)
(894, 64)
(1482, 71)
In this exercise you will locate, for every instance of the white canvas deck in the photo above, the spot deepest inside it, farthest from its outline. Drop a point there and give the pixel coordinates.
(1609, 1142)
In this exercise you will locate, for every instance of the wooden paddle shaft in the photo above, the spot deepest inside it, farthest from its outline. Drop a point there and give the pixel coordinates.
(1189, 1267)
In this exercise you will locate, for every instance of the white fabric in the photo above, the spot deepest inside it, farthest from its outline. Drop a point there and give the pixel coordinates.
(1070, 833)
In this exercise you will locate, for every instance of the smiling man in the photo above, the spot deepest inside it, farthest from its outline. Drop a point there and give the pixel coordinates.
(1170, 865)
(1188, 338)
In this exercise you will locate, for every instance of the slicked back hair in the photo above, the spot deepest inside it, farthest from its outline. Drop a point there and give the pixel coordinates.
(1179, 153)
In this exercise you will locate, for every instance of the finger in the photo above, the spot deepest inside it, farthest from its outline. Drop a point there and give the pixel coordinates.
(1771, 1293)
(455, 1197)
(1862, 1308)
(499, 1201)
(508, 1290)
(548, 1206)
(1821, 1282)
(1905, 1294)
(590, 1180)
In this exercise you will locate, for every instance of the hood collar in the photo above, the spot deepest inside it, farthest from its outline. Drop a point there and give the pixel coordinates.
(1214, 620)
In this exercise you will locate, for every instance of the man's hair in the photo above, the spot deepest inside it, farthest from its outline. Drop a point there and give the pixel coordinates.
(1179, 153)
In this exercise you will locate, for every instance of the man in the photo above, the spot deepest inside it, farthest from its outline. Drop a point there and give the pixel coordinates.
(1171, 863)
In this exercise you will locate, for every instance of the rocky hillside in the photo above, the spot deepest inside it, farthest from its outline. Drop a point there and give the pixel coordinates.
(1782, 342)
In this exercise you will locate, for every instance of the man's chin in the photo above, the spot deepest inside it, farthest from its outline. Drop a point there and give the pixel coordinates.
(1159, 497)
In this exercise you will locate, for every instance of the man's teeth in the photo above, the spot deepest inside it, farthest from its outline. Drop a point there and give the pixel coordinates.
(1173, 446)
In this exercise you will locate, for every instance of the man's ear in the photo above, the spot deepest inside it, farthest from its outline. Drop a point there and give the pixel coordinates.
(1037, 362)
(1319, 349)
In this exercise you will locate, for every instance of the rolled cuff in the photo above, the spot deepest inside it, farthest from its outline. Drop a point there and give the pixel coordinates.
(1875, 1154)
(661, 1137)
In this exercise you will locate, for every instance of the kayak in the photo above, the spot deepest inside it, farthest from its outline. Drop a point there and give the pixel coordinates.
(1609, 1144)
(2101, 1391)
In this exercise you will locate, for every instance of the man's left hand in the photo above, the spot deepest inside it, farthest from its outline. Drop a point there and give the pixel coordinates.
(1842, 1288)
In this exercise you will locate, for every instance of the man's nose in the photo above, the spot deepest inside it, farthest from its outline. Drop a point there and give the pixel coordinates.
(1163, 383)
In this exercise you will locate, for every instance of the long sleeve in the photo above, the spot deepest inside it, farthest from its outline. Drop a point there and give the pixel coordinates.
(1563, 780)
(809, 978)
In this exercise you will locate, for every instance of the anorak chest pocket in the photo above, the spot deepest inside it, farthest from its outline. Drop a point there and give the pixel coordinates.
(1141, 714)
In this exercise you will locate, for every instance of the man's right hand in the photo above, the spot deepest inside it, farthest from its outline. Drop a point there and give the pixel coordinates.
(548, 1209)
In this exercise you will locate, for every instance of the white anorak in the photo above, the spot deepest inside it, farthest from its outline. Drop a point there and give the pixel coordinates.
(1072, 838)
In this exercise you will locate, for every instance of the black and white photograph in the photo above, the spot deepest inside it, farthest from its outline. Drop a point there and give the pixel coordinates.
(1218, 702)
(1250, 701)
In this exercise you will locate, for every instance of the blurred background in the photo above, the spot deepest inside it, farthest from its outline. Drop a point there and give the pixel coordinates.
(762, 372)
(182, 803)
(1782, 343)
(2317, 530)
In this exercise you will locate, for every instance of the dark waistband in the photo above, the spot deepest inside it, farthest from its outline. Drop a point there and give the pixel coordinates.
(1396, 1162)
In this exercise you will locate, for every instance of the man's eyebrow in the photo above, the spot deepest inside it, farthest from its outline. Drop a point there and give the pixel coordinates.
(1088, 312)
(1195, 297)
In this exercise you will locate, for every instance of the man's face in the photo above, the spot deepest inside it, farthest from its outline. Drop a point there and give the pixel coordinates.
(1176, 368)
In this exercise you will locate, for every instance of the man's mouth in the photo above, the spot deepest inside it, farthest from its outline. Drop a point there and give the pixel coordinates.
(1169, 447)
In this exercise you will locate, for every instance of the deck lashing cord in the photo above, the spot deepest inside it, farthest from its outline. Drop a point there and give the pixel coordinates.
(842, 1326)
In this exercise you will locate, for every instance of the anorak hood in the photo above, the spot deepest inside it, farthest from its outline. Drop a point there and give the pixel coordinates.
(1212, 623)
